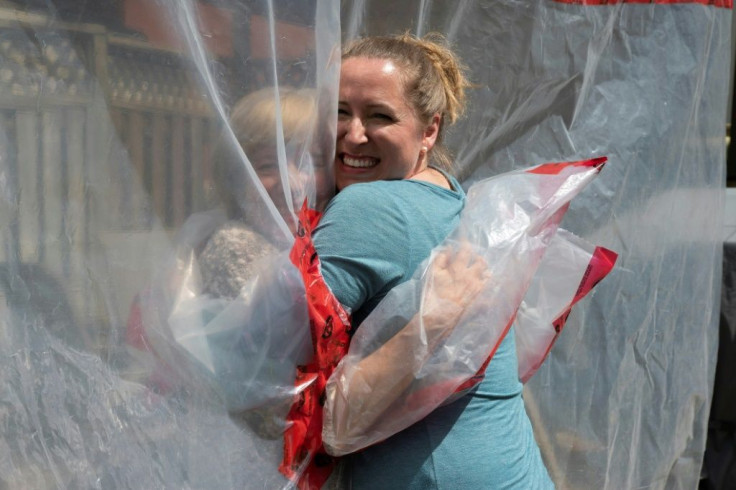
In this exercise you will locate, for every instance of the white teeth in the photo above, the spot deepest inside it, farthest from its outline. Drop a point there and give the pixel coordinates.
(360, 162)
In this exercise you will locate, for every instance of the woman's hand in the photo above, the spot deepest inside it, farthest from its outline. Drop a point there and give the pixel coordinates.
(456, 278)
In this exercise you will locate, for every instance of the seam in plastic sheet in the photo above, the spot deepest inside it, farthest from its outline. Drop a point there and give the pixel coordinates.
(727, 4)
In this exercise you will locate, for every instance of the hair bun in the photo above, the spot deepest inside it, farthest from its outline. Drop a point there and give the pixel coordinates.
(448, 67)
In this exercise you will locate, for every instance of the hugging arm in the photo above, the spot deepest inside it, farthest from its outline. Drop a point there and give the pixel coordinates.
(362, 392)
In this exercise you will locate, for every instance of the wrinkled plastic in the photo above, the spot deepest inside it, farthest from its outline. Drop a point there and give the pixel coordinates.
(570, 268)
(110, 115)
(242, 352)
(246, 345)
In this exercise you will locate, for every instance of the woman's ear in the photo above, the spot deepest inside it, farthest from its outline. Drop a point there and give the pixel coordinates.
(429, 136)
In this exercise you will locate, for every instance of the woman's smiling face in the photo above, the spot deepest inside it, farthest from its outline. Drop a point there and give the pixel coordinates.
(379, 136)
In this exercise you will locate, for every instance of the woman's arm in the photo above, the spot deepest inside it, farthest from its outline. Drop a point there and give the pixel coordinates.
(362, 394)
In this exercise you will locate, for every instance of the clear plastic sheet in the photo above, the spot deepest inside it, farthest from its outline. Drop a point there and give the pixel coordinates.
(113, 117)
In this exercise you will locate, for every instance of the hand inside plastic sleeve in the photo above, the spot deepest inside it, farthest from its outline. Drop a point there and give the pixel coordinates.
(456, 279)
(456, 276)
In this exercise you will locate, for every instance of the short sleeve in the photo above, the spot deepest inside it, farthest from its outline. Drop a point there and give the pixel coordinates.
(363, 244)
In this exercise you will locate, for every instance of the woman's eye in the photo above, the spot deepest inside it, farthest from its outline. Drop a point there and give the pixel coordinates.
(267, 167)
(342, 112)
(317, 158)
(382, 117)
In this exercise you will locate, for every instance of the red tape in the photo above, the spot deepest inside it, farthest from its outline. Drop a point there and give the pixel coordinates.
(304, 454)
(600, 265)
(727, 4)
(556, 168)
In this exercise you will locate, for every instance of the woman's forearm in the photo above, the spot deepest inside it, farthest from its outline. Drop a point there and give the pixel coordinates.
(377, 381)
(362, 391)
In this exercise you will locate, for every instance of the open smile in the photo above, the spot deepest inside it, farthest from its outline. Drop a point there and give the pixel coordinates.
(358, 162)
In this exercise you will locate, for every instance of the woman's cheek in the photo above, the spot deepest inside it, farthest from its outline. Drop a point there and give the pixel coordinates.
(325, 186)
(272, 184)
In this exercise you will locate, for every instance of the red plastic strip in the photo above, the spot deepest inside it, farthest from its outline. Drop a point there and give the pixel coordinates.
(135, 334)
(162, 377)
(556, 168)
(600, 254)
(443, 389)
(304, 454)
(727, 4)
(482, 371)
(601, 264)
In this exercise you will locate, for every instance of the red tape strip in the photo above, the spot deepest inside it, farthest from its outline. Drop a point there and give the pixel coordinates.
(304, 454)
(556, 168)
(727, 4)
(601, 264)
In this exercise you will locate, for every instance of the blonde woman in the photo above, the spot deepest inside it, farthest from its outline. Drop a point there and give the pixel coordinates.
(396, 202)
(251, 232)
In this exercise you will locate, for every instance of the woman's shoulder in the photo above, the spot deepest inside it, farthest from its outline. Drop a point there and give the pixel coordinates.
(394, 207)
(365, 199)
(386, 193)
(363, 189)
(240, 238)
(228, 259)
(362, 209)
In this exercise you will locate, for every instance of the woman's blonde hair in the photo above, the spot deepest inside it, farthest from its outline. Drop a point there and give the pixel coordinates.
(253, 118)
(433, 75)
(253, 121)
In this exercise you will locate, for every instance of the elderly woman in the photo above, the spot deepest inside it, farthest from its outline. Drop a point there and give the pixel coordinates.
(251, 232)
(396, 202)
(229, 249)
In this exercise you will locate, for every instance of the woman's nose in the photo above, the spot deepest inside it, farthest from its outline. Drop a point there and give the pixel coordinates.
(355, 132)
(298, 183)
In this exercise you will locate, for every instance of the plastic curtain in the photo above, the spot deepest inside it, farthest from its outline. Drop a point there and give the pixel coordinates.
(126, 141)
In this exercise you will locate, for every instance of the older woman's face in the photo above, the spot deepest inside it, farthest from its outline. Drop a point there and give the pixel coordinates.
(379, 136)
(266, 164)
(307, 176)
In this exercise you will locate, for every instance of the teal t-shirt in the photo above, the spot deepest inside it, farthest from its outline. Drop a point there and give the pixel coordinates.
(371, 238)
